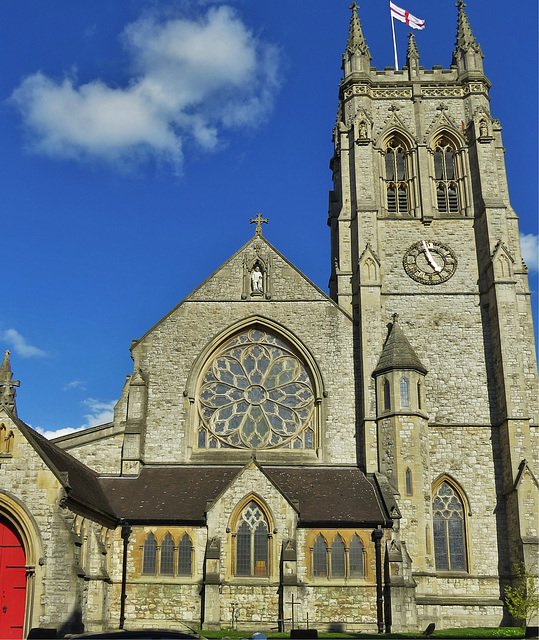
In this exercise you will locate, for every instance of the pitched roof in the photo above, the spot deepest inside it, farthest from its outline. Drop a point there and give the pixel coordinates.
(79, 481)
(330, 496)
(324, 495)
(167, 494)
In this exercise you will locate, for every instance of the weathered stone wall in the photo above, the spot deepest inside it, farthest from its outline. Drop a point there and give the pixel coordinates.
(173, 351)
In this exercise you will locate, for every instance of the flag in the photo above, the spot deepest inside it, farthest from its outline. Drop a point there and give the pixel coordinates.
(404, 16)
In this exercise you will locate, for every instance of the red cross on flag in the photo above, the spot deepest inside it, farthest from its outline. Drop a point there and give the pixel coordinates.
(406, 17)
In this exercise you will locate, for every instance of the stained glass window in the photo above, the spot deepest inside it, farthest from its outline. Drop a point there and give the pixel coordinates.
(149, 555)
(448, 523)
(256, 393)
(252, 558)
(167, 556)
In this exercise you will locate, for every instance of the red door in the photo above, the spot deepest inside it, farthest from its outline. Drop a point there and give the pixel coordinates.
(12, 582)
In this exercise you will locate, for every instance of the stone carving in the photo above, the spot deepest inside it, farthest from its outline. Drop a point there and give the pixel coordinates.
(257, 285)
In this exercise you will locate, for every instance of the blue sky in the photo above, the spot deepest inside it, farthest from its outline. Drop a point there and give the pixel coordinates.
(139, 137)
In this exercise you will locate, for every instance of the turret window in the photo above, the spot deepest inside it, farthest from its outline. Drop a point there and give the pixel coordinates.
(405, 391)
(387, 394)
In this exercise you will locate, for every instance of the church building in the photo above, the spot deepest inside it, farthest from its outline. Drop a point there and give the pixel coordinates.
(363, 461)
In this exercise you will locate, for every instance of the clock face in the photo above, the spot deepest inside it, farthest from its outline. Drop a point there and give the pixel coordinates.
(430, 262)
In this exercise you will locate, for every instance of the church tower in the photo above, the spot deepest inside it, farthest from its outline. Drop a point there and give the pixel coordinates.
(422, 228)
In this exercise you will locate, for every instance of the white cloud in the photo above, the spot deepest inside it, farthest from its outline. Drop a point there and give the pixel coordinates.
(60, 432)
(192, 80)
(19, 345)
(75, 384)
(529, 243)
(100, 412)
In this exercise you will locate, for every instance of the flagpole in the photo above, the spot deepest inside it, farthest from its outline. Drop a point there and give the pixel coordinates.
(394, 43)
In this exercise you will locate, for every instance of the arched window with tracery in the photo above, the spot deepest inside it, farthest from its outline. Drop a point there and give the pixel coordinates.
(149, 555)
(446, 176)
(449, 529)
(252, 542)
(397, 177)
(320, 557)
(256, 392)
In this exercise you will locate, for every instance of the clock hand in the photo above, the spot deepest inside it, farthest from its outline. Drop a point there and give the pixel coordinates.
(430, 259)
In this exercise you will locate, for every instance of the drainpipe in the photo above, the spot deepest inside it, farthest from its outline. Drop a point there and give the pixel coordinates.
(377, 536)
(126, 532)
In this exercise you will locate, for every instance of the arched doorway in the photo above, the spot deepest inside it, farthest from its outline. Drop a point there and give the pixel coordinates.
(12, 581)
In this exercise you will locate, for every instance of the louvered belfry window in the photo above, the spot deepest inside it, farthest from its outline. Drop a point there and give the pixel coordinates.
(445, 175)
(397, 178)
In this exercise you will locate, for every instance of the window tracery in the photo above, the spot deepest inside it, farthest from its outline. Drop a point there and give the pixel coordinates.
(252, 542)
(256, 393)
(448, 529)
(397, 178)
(446, 176)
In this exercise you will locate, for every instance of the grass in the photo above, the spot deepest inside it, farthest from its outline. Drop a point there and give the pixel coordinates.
(481, 632)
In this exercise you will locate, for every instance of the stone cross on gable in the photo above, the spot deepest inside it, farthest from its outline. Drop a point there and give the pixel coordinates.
(259, 220)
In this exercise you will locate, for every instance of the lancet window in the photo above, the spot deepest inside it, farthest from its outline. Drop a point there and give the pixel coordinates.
(340, 560)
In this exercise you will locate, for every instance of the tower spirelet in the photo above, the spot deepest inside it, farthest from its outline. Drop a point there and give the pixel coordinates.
(7, 384)
(467, 55)
(356, 56)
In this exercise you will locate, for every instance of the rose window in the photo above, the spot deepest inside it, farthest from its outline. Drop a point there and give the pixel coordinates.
(256, 394)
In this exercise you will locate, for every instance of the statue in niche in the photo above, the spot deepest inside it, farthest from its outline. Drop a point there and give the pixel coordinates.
(483, 129)
(256, 280)
(363, 129)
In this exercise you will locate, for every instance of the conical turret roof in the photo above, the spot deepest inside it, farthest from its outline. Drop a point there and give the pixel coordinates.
(398, 353)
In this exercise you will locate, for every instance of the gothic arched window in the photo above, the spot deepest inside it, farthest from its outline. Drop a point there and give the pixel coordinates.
(448, 528)
(256, 393)
(397, 178)
(149, 555)
(355, 558)
(338, 561)
(446, 177)
(252, 542)
(166, 564)
(320, 557)
(185, 555)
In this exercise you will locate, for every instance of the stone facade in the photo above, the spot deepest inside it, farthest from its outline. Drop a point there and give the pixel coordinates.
(363, 461)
